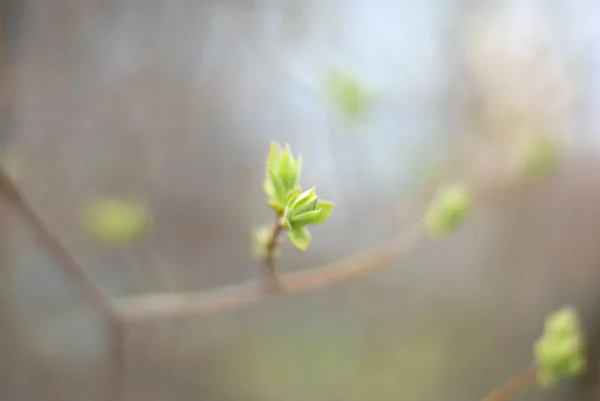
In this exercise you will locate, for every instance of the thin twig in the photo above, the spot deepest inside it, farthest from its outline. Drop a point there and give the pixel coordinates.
(512, 386)
(163, 306)
(272, 245)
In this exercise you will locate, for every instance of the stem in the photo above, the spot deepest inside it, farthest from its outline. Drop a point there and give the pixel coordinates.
(272, 245)
(513, 385)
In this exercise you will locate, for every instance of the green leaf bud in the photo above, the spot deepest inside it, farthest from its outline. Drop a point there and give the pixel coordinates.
(536, 155)
(560, 351)
(448, 210)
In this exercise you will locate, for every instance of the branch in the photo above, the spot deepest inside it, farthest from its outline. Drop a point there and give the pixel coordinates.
(512, 386)
(93, 291)
(163, 306)
(96, 294)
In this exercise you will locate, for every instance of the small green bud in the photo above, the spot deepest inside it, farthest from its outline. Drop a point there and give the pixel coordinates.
(307, 209)
(260, 238)
(536, 155)
(349, 96)
(116, 221)
(562, 323)
(448, 210)
(283, 172)
(560, 351)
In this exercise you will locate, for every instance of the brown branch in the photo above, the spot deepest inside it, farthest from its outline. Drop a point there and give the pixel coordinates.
(97, 296)
(163, 306)
(93, 291)
(513, 385)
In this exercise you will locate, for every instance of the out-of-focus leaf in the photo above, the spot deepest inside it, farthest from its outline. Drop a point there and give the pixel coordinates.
(448, 210)
(260, 238)
(560, 351)
(116, 221)
(349, 96)
(536, 155)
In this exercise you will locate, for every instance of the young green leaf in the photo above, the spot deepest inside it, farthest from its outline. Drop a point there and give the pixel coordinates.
(306, 206)
(274, 156)
(276, 206)
(269, 189)
(278, 186)
(299, 237)
(325, 208)
(292, 194)
(115, 221)
(303, 198)
(305, 218)
(287, 169)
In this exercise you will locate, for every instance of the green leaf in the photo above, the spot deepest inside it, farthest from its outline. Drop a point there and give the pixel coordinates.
(287, 169)
(276, 206)
(278, 187)
(306, 202)
(292, 194)
(325, 208)
(115, 221)
(269, 189)
(302, 198)
(299, 237)
(274, 156)
(305, 218)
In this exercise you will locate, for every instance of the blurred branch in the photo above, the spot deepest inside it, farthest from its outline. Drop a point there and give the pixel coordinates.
(513, 385)
(160, 306)
(97, 296)
(94, 292)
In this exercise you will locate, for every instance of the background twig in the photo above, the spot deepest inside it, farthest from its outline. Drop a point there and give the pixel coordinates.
(513, 385)
(97, 296)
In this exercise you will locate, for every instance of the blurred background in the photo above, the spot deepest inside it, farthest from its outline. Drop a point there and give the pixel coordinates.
(174, 104)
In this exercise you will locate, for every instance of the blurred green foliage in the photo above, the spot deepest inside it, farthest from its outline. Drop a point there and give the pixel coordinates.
(115, 221)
